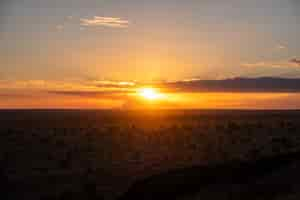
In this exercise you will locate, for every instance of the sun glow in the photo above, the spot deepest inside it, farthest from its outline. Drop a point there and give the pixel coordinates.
(150, 94)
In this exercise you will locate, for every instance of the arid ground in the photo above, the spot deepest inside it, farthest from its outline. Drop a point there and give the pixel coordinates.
(57, 154)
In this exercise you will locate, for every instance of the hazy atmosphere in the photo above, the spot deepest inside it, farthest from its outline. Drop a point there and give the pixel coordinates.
(97, 54)
(149, 99)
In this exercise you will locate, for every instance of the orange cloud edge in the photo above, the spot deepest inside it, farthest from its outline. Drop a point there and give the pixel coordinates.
(124, 95)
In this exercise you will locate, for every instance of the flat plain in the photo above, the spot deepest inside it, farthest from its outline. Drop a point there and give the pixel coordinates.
(99, 154)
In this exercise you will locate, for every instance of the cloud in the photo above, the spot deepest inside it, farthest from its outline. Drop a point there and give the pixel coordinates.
(281, 47)
(125, 91)
(295, 61)
(277, 64)
(59, 27)
(263, 84)
(27, 84)
(114, 84)
(9, 95)
(97, 89)
(82, 93)
(113, 22)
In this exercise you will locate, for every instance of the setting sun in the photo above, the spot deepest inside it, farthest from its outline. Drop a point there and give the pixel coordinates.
(149, 93)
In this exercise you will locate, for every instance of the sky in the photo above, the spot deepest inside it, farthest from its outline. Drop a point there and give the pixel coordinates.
(75, 45)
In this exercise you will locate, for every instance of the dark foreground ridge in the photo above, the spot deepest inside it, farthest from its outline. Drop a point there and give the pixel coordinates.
(262, 178)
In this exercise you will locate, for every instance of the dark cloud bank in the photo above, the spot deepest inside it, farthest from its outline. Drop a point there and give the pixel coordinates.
(263, 84)
(259, 85)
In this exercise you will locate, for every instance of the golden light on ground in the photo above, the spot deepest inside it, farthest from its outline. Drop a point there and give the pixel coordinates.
(150, 94)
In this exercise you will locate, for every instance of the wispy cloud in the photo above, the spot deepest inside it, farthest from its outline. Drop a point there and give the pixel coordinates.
(93, 94)
(281, 47)
(114, 84)
(277, 64)
(113, 22)
(59, 27)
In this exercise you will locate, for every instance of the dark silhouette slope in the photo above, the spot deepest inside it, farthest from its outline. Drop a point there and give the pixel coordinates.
(189, 181)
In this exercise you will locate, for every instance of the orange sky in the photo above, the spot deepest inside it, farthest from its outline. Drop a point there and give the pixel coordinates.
(97, 54)
(128, 95)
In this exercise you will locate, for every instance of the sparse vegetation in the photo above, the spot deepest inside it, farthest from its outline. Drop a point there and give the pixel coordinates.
(98, 154)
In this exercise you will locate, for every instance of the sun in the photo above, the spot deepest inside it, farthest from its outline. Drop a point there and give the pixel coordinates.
(150, 94)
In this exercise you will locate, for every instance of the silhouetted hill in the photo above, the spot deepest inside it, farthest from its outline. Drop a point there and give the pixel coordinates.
(250, 179)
